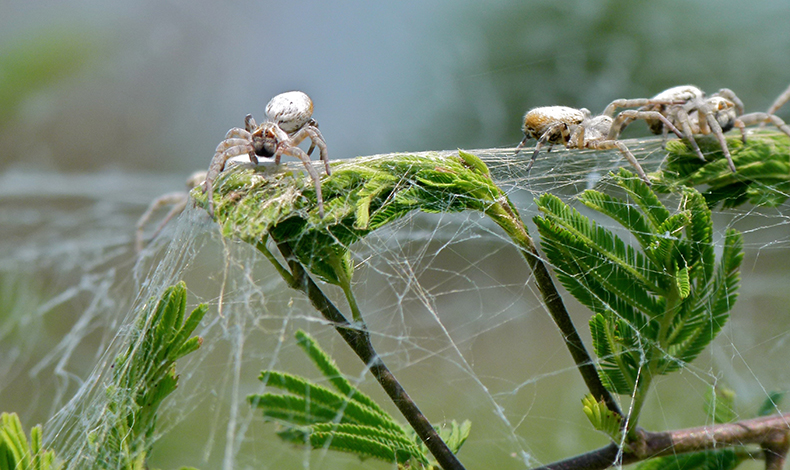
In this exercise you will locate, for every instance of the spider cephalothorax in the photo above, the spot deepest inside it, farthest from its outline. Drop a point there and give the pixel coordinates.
(288, 122)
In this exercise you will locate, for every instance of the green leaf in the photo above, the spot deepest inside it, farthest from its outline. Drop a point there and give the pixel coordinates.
(600, 241)
(654, 309)
(348, 421)
(360, 196)
(16, 452)
(602, 418)
(143, 376)
(683, 283)
(762, 176)
(315, 395)
(644, 196)
(297, 410)
(720, 405)
(363, 446)
(454, 434)
(722, 459)
(625, 214)
(769, 406)
(618, 369)
(329, 369)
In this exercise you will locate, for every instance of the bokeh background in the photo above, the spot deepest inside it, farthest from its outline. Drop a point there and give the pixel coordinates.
(106, 105)
(153, 86)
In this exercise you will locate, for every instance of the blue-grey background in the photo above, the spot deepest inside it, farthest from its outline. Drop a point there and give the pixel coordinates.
(153, 86)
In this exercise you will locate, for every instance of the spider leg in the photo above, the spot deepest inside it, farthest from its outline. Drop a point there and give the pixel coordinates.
(754, 118)
(688, 134)
(522, 144)
(741, 127)
(636, 102)
(715, 128)
(549, 136)
(612, 144)
(179, 201)
(625, 103)
(238, 133)
(316, 139)
(308, 164)
(312, 123)
(249, 123)
(780, 101)
(225, 150)
(630, 114)
(576, 139)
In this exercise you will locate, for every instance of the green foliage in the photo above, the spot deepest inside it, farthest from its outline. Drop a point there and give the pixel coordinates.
(762, 177)
(143, 375)
(722, 459)
(360, 196)
(654, 308)
(768, 407)
(29, 65)
(346, 419)
(720, 405)
(602, 418)
(16, 453)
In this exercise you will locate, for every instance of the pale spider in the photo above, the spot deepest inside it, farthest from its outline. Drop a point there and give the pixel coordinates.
(694, 113)
(179, 201)
(576, 128)
(288, 122)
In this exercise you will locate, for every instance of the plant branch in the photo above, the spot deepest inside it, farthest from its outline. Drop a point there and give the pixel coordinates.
(359, 340)
(772, 433)
(506, 217)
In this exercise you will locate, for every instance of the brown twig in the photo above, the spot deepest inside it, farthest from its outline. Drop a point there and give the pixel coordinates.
(511, 222)
(359, 339)
(770, 432)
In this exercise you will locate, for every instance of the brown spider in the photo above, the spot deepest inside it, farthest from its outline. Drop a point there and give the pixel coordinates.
(288, 122)
(576, 128)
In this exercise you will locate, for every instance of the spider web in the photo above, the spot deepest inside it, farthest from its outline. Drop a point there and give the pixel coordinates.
(448, 300)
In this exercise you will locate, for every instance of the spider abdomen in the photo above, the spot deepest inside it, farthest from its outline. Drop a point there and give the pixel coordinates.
(290, 110)
(538, 121)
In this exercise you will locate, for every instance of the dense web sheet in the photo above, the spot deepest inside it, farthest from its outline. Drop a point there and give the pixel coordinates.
(449, 302)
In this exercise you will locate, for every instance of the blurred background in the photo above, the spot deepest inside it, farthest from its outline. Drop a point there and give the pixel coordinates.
(154, 86)
(106, 105)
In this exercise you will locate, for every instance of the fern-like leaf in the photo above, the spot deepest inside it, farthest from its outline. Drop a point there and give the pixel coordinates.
(322, 397)
(602, 418)
(329, 369)
(644, 196)
(348, 421)
(625, 214)
(657, 308)
(722, 459)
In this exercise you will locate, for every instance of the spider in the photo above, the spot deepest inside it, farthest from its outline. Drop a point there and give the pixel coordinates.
(688, 105)
(577, 128)
(288, 122)
(179, 201)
